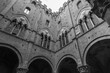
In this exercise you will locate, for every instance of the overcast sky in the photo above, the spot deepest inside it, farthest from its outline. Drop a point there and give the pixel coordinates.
(54, 4)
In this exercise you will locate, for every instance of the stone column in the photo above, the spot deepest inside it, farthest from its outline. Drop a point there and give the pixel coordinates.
(84, 69)
(22, 70)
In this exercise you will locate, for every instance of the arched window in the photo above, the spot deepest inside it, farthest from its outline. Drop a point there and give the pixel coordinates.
(45, 40)
(10, 26)
(23, 30)
(27, 10)
(85, 20)
(63, 38)
(17, 27)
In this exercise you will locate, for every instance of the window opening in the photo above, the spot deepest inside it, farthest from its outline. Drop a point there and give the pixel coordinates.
(33, 2)
(47, 22)
(66, 37)
(27, 10)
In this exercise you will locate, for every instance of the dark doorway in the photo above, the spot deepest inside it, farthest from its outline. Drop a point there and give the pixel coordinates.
(40, 66)
(68, 65)
(98, 57)
(8, 60)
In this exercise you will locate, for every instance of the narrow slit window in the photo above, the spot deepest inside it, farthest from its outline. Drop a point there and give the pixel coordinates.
(66, 37)
(60, 39)
(63, 39)
(47, 22)
(42, 37)
(45, 41)
(48, 42)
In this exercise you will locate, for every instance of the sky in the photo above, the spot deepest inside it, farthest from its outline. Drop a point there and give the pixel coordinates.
(54, 4)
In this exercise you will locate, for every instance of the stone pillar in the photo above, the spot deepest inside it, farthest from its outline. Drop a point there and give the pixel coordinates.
(84, 69)
(54, 71)
(22, 70)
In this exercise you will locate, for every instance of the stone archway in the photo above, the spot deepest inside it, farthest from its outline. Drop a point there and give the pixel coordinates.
(9, 60)
(98, 57)
(67, 65)
(40, 66)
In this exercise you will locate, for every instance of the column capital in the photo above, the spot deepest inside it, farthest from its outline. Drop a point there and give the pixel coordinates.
(84, 69)
(22, 70)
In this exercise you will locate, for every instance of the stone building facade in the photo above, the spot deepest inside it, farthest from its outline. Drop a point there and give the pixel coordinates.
(74, 40)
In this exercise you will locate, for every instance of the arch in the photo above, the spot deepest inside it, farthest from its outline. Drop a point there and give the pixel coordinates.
(18, 25)
(23, 16)
(62, 30)
(42, 58)
(13, 49)
(81, 13)
(46, 31)
(62, 36)
(64, 57)
(96, 55)
(92, 43)
(45, 39)
(10, 58)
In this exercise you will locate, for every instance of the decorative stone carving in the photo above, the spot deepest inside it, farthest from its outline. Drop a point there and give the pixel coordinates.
(84, 69)
(22, 70)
